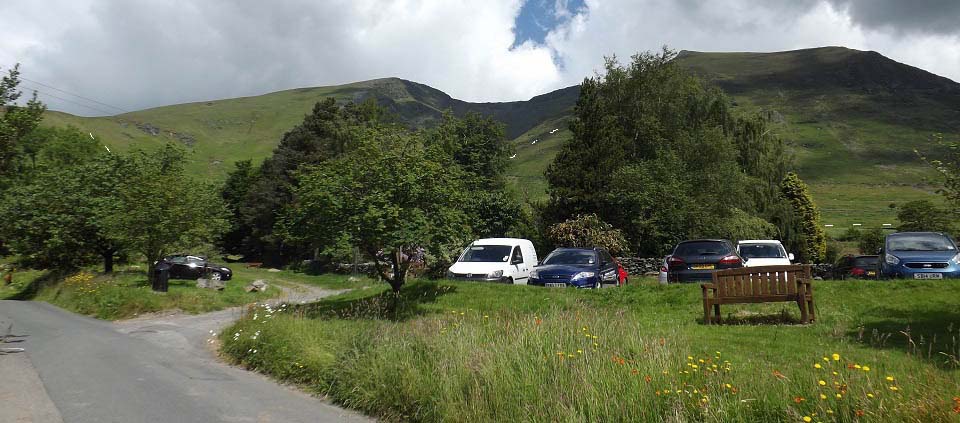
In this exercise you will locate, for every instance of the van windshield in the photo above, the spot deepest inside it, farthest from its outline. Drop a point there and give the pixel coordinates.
(486, 254)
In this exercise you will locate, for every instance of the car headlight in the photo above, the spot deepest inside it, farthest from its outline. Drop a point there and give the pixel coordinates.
(496, 274)
(535, 274)
(891, 259)
(956, 258)
(582, 275)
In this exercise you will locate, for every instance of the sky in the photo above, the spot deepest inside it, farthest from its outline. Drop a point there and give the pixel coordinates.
(97, 57)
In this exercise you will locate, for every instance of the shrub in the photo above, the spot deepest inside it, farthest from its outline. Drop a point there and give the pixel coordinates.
(588, 231)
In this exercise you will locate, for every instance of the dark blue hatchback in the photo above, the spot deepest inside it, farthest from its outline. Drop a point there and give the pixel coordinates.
(576, 267)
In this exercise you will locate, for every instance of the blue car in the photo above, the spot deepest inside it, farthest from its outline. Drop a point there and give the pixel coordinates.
(919, 255)
(575, 267)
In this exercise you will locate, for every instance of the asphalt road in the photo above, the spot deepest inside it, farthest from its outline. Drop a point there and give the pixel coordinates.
(157, 369)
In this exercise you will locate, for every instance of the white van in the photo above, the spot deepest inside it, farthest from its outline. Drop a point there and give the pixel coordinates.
(763, 252)
(506, 260)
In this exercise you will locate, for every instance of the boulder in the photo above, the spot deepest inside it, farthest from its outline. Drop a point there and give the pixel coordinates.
(219, 285)
(258, 285)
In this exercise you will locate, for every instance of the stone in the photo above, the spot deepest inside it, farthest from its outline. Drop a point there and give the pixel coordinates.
(273, 270)
(258, 285)
(218, 285)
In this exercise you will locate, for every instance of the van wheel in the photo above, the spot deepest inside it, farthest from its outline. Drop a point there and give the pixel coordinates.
(508, 280)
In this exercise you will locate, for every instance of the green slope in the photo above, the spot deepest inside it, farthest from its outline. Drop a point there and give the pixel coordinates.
(852, 119)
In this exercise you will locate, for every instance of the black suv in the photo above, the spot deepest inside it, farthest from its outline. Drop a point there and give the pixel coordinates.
(184, 266)
(696, 260)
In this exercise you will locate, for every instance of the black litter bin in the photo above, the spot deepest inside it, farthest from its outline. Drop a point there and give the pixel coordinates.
(161, 277)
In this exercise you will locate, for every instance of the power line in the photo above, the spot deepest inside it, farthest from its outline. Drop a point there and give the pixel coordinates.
(74, 102)
(76, 95)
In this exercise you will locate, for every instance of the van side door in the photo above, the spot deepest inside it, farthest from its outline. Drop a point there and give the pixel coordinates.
(521, 271)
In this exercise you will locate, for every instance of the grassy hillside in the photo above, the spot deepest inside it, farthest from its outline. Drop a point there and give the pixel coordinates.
(852, 118)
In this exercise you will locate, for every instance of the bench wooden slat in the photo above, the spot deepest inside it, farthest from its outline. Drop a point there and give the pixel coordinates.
(759, 285)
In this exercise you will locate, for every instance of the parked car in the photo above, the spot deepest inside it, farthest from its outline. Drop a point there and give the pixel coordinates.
(185, 266)
(862, 267)
(576, 267)
(506, 260)
(919, 255)
(763, 252)
(696, 260)
(622, 275)
(662, 276)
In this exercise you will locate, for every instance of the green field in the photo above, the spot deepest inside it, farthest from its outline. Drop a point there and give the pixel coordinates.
(449, 351)
(127, 293)
(852, 120)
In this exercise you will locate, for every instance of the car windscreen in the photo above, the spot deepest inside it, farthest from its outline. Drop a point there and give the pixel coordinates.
(761, 251)
(920, 242)
(486, 253)
(863, 262)
(701, 248)
(573, 257)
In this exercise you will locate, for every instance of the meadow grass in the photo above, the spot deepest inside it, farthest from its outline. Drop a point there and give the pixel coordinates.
(450, 351)
(127, 293)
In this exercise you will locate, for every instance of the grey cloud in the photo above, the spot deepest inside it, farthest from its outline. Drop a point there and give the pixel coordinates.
(939, 17)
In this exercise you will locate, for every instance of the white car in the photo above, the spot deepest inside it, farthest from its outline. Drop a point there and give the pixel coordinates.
(506, 260)
(763, 252)
(662, 277)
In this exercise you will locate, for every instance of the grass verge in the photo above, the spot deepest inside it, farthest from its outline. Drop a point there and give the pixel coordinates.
(126, 293)
(448, 351)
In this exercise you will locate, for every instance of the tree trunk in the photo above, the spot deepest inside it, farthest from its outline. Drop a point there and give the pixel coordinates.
(108, 261)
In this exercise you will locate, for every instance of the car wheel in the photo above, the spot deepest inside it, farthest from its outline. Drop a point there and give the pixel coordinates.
(507, 280)
(215, 276)
(597, 285)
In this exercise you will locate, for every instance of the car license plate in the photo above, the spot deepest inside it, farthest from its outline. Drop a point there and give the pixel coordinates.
(702, 267)
(871, 273)
(928, 275)
(555, 285)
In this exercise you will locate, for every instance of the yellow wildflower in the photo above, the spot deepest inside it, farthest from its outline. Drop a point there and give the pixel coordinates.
(889, 378)
(822, 383)
(817, 366)
(894, 388)
(823, 397)
(836, 357)
(807, 419)
(866, 368)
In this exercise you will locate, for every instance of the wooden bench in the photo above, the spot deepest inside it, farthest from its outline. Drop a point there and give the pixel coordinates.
(763, 284)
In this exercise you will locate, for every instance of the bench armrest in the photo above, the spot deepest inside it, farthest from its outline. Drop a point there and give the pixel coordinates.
(708, 287)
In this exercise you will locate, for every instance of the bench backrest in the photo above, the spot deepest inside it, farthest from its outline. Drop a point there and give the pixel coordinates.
(760, 281)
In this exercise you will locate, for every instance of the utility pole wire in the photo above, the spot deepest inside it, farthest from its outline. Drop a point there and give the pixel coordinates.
(76, 95)
(109, 113)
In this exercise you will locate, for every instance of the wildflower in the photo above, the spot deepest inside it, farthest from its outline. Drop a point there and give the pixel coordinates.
(701, 361)
(798, 400)
(485, 316)
(839, 396)
(829, 411)
(817, 366)
(836, 357)
(857, 366)
(823, 397)
(647, 378)
(822, 383)
(579, 351)
(538, 321)
(727, 385)
(690, 358)
(859, 413)
(869, 395)
(570, 355)
(866, 368)
(894, 388)
(889, 378)
(807, 419)
(694, 366)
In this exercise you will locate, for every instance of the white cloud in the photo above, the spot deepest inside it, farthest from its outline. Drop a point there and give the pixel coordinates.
(145, 53)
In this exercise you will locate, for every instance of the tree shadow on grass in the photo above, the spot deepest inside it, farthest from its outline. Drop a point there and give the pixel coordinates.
(751, 318)
(930, 335)
(385, 305)
(31, 289)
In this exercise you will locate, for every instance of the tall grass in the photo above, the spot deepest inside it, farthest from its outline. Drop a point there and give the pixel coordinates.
(468, 352)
